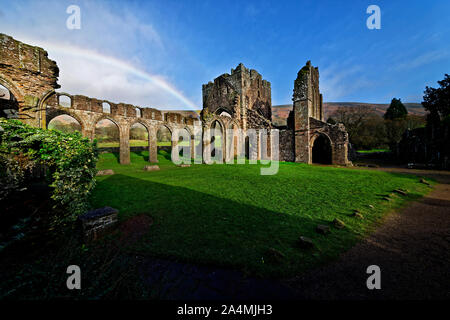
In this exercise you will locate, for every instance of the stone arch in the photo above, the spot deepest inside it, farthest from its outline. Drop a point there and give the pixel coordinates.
(106, 107)
(164, 139)
(233, 139)
(12, 87)
(213, 139)
(138, 112)
(213, 120)
(48, 113)
(139, 140)
(42, 108)
(221, 110)
(321, 149)
(109, 141)
(9, 105)
(63, 102)
(68, 127)
(181, 143)
(140, 121)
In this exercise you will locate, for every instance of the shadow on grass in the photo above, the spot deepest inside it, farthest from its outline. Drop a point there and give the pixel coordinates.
(197, 227)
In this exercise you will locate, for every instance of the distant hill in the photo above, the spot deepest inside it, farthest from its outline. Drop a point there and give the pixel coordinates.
(281, 112)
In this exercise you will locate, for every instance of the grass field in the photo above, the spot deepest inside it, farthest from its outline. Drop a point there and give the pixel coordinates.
(137, 143)
(230, 215)
(373, 150)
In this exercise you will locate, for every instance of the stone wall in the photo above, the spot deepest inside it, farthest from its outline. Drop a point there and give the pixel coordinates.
(338, 137)
(98, 222)
(287, 151)
(28, 73)
(241, 99)
(243, 94)
(309, 122)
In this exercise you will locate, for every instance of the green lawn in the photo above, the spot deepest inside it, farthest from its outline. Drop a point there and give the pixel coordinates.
(139, 143)
(230, 215)
(373, 150)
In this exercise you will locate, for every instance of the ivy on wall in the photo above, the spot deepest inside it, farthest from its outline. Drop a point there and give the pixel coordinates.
(70, 160)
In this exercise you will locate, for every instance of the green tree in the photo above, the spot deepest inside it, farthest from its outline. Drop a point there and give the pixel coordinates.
(396, 110)
(437, 100)
(331, 120)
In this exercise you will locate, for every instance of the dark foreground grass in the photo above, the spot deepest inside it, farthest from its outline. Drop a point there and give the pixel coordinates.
(231, 216)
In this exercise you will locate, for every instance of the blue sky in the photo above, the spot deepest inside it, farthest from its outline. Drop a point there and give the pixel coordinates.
(159, 53)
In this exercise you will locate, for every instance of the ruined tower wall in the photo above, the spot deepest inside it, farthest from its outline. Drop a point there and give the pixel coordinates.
(243, 94)
(303, 108)
(309, 119)
(28, 73)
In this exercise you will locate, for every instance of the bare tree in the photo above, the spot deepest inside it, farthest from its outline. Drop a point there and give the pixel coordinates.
(353, 118)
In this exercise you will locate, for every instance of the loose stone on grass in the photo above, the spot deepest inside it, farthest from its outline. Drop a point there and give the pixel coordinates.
(357, 215)
(401, 192)
(151, 168)
(107, 172)
(322, 229)
(273, 255)
(183, 165)
(338, 223)
(371, 206)
(424, 181)
(306, 243)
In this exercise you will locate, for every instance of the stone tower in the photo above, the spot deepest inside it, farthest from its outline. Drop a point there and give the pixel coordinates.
(312, 135)
(308, 104)
(243, 95)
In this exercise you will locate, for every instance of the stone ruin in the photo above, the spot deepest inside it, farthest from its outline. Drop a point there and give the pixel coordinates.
(244, 98)
(240, 100)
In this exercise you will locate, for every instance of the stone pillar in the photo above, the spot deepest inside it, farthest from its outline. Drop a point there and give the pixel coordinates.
(302, 136)
(224, 144)
(124, 132)
(303, 109)
(192, 147)
(258, 145)
(174, 144)
(152, 145)
(88, 131)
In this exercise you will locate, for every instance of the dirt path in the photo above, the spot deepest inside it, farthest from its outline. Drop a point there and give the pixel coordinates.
(412, 248)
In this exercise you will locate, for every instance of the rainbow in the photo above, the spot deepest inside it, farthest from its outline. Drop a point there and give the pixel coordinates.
(101, 58)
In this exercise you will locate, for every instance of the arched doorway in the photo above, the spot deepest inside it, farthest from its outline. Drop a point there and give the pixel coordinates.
(9, 107)
(184, 144)
(321, 150)
(139, 140)
(65, 123)
(232, 141)
(138, 135)
(164, 142)
(217, 141)
(107, 134)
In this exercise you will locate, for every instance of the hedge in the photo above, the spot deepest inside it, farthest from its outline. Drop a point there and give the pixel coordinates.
(70, 160)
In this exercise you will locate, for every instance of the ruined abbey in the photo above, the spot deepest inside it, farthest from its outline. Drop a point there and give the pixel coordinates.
(240, 100)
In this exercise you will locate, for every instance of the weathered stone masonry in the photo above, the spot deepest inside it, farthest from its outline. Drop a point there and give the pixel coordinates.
(244, 97)
(240, 100)
(32, 78)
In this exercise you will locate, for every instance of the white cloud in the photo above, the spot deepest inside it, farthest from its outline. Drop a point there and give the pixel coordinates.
(108, 32)
(82, 75)
(340, 81)
(423, 59)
